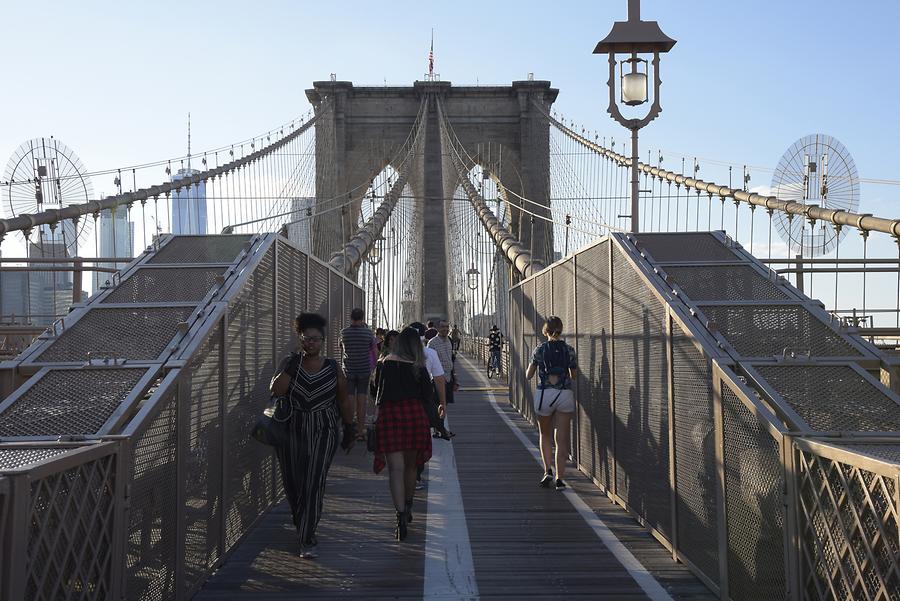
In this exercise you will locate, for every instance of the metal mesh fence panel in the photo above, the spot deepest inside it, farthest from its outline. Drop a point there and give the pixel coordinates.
(848, 521)
(769, 330)
(594, 363)
(110, 332)
(755, 513)
(71, 532)
(349, 303)
(515, 346)
(834, 398)
(249, 466)
(695, 455)
(152, 529)
(335, 314)
(724, 282)
(641, 397)
(291, 283)
(159, 285)
(201, 249)
(530, 331)
(12, 458)
(685, 248)
(202, 450)
(69, 402)
(317, 293)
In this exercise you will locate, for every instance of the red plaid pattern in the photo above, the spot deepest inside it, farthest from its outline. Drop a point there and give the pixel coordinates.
(402, 426)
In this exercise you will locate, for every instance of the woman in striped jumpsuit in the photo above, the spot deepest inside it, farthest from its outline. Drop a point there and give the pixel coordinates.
(318, 395)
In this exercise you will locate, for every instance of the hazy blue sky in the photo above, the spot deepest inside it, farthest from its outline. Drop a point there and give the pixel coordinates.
(114, 80)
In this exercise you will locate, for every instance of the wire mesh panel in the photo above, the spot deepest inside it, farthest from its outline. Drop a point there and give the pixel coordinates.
(152, 518)
(69, 402)
(291, 290)
(848, 522)
(359, 298)
(515, 347)
(317, 294)
(594, 363)
(159, 285)
(834, 398)
(641, 397)
(564, 297)
(685, 247)
(249, 360)
(695, 454)
(724, 282)
(755, 512)
(141, 334)
(335, 314)
(202, 446)
(349, 302)
(202, 249)
(529, 341)
(71, 533)
(770, 330)
(16, 457)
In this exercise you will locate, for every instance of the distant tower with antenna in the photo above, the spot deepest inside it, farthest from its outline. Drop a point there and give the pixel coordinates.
(189, 202)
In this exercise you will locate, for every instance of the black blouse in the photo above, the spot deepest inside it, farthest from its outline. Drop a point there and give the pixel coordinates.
(398, 380)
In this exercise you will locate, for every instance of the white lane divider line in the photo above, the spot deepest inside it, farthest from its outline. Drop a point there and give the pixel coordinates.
(635, 568)
(449, 568)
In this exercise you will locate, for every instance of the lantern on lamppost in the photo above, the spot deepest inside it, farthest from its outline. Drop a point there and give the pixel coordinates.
(472, 276)
(634, 38)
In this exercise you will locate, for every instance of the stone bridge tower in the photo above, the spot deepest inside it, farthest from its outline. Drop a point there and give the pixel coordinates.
(358, 138)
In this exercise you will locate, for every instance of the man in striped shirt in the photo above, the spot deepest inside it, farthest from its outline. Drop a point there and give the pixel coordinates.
(444, 348)
(358, 347)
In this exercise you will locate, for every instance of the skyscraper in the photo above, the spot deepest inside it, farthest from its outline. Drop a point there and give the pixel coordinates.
(189, 206)
(116, 240)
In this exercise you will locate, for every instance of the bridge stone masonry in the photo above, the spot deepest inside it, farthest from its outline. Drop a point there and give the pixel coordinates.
(733, 438)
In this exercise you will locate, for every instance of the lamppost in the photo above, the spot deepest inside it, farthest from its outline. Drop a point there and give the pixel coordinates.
(634, 37)
(472, 276)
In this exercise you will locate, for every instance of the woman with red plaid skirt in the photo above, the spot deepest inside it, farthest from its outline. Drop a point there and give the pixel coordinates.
(403, 433)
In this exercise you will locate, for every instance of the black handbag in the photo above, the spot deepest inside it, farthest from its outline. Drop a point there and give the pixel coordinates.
(273, 426)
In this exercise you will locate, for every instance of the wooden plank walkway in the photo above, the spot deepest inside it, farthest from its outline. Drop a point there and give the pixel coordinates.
(526, 542)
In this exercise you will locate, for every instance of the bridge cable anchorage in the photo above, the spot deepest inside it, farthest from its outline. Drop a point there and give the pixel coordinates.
(515, 252)
(348, 259)
(53, 216)
(862, 222)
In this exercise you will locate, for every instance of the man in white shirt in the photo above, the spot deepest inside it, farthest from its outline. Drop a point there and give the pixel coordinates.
(434, 367)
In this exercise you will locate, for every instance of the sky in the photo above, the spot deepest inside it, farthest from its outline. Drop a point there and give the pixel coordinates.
(115, 80)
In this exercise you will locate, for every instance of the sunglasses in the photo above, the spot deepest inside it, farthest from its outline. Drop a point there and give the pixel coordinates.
(311, 338)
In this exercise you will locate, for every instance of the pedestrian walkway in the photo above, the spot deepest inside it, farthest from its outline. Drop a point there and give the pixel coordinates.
(493, 532)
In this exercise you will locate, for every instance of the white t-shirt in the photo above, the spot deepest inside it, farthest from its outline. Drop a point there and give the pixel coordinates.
(433, 363)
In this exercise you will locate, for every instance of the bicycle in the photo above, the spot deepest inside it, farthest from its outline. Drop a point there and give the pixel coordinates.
(493, 367)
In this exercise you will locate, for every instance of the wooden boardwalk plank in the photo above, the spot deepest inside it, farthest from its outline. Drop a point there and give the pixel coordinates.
(526, 542)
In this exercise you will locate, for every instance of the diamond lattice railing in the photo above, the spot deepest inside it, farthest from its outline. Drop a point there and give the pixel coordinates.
(849, 528)
(71, 532)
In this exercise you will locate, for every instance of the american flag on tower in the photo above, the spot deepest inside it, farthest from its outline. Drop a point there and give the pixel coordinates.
(431, 55)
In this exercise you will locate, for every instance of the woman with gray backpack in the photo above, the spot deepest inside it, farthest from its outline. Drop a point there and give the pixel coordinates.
(554, 400)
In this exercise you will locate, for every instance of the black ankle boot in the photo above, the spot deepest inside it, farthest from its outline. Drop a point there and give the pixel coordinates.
(400, 532)
(409, 503)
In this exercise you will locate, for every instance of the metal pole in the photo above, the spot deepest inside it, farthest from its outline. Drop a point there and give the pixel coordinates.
(635, 222)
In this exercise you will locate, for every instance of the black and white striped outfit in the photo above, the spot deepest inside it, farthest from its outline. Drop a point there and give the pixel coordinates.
(315, 435)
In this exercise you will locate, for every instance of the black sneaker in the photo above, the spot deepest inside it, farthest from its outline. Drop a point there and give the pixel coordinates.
(560, 485)
(547, 480)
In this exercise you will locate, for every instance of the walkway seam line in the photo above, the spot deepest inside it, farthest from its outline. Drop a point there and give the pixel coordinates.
(648, 583)
(449, 567)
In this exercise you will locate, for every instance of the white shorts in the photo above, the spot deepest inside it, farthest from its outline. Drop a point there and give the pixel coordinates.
(554, 400)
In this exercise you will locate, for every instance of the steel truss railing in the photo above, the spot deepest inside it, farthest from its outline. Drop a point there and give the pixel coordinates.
(724, 409)
(155, 383)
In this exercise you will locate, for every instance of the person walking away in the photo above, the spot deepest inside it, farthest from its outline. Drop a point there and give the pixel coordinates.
(315, 387)
(403, 443)
(495, 345)
(554, 401)
(442, 345)
(387, 344)
(436, 373)
(455, 337)
(357, 352)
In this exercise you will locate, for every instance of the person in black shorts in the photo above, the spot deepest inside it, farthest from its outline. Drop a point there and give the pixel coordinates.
(358, 356)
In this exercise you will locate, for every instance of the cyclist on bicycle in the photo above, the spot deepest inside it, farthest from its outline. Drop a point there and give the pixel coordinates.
(495, 342)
